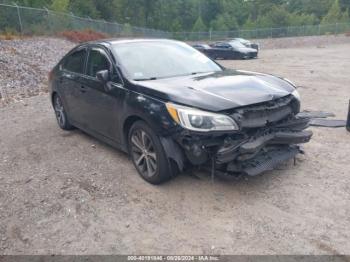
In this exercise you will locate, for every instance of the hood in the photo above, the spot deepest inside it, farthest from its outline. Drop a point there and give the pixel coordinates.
(217, 91)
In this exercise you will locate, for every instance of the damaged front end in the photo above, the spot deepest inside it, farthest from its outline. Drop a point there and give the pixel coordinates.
(269, 133)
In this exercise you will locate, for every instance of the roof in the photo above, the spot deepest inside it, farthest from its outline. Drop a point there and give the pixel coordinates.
(129, 40)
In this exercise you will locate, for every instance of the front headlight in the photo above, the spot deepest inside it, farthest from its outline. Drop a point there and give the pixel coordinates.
(198, 120)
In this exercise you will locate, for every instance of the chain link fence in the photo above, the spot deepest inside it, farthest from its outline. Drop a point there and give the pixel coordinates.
(262, 33)
(41, 21)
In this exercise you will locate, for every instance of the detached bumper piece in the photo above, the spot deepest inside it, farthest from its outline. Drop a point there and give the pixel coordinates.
(264, 161)
(263, 151)
(249, 149)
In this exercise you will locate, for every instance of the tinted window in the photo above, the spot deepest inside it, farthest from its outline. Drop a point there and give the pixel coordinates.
(221, 45)
(75, 62)
(97, 62)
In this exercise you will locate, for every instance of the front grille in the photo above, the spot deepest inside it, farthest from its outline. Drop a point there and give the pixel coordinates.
(264, 114)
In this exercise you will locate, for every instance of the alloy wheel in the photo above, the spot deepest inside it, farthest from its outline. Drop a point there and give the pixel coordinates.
(143, 153)
(59, 111)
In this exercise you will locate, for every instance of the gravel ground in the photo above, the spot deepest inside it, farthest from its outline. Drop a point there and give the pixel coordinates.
(296, 42)
(66, 193)
(25, 64)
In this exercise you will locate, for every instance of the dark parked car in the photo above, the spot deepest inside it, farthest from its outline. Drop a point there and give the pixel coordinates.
(227, 50)
(205, 49)
(201, 47)
(171, 107)
(208, 50)
(230, 50)
(247, 43)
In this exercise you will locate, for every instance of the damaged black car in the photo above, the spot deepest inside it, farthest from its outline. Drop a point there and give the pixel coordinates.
(170, 107)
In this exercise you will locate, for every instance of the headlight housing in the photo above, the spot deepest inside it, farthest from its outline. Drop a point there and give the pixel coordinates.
(198, 120)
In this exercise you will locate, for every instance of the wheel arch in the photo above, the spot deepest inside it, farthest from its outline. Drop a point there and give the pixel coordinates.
(53, 94)
(172, 149)
(128, 122)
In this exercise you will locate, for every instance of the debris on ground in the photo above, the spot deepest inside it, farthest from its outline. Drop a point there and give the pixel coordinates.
(320, 122)
(315, 114)
(318, 118)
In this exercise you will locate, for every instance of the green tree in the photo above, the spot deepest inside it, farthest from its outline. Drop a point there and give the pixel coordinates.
(335, 14)
(302, 19)
(224, 22)
(199, 25)
(84, 8)
(249, 23)
(59, 5)
(277, 16)
(200, 15)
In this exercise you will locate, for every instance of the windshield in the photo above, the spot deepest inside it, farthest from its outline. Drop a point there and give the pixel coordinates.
(162, 59)
(237, 44)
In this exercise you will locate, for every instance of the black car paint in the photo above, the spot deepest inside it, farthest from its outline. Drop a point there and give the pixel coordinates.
(218, 91)
(124, 100)
(108, 110)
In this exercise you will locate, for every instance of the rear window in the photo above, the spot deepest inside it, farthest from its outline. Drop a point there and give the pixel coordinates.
(75, 62)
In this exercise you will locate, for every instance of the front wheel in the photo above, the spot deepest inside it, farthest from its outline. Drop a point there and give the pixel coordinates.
(147, 154)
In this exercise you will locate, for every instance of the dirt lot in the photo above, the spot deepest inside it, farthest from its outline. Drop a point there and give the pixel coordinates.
(66, 193)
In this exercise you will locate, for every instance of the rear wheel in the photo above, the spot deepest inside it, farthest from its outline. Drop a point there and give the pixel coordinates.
(61, 115)
(147, 154)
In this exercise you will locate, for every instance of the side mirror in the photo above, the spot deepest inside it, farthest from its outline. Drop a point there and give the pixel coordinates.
(103, 76)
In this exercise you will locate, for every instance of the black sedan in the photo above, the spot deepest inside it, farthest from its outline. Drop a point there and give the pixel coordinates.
(227, 50)
(171, 107)
(233, 50)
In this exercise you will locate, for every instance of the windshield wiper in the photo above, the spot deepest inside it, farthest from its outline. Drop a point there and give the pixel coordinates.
(171, 76)
(145, 79)
(203, 72)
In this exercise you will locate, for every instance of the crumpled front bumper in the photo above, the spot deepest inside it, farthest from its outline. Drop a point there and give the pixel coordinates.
(253, 158)
(265, 150)
(249, 148)
(251, 151)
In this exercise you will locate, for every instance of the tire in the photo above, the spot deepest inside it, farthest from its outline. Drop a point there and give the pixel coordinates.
(61, 115)
(148, 155)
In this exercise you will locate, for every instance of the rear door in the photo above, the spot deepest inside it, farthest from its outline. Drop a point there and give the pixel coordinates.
(227, 51)
(102, 100)
(70, 81)
(221, 50)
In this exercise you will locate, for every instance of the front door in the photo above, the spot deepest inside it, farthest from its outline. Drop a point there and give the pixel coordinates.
(101, 103)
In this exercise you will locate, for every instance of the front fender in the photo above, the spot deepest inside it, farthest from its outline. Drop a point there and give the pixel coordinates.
(151, 110)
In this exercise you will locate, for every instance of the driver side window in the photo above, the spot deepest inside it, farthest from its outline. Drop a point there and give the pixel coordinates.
(97, 61)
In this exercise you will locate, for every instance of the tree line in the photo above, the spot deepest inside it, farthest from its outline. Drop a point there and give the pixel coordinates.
(204, 15)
